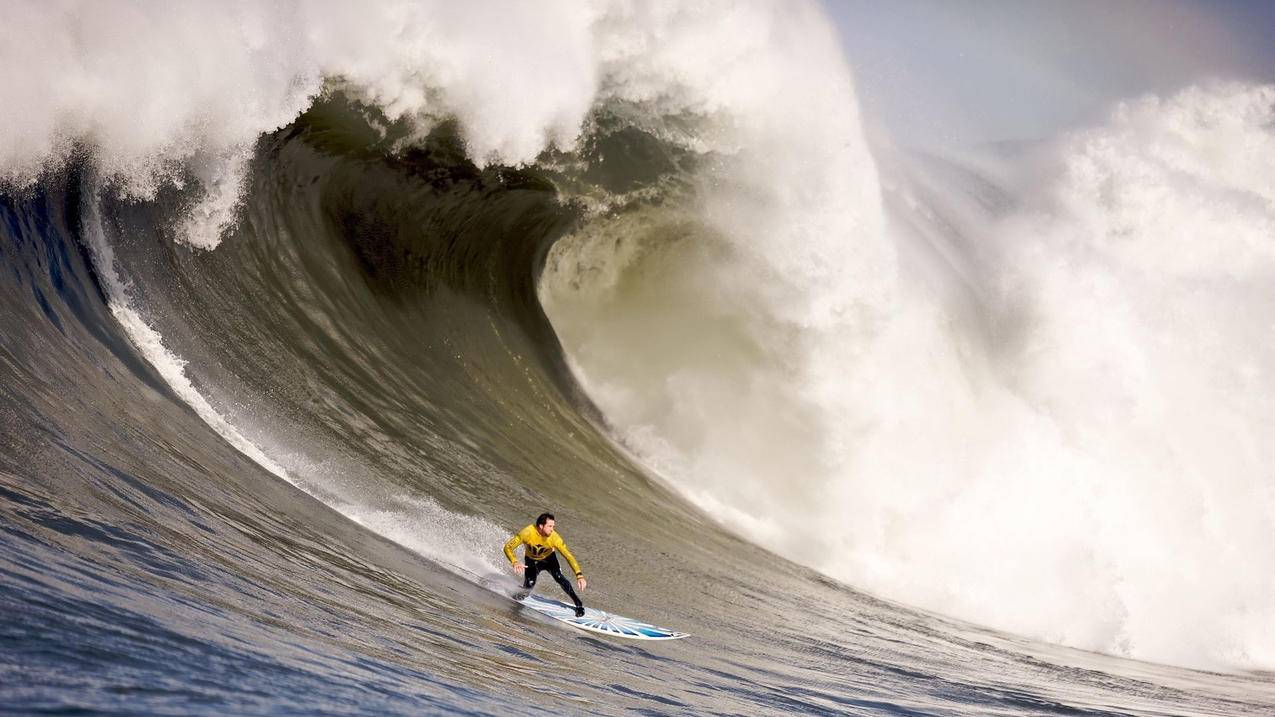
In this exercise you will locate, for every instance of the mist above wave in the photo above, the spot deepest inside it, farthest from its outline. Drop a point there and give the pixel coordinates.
(180, 92)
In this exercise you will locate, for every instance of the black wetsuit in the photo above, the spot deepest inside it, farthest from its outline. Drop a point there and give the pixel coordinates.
(549, 565)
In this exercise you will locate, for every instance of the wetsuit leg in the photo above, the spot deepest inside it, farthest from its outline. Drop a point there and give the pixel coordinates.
(556, 571)
(530, 570)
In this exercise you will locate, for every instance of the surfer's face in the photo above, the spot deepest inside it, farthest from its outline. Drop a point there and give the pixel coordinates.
(546, 529)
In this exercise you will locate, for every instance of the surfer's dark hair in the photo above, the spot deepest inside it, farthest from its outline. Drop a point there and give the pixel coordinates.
(543, 518)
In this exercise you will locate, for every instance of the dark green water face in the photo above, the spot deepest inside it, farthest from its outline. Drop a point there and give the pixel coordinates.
(372, 328)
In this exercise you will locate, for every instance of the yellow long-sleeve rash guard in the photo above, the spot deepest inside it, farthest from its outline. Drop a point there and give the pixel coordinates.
(538, 547)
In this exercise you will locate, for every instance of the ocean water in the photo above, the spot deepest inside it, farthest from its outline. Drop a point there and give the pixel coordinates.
(307, 308)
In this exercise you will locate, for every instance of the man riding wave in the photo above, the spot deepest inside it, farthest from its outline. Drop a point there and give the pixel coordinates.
(540, 543)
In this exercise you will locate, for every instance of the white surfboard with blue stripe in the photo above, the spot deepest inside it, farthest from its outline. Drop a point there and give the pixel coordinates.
(601, 622)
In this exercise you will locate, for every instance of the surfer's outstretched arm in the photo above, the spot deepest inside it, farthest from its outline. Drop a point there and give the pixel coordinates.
(510, 544)
(571, 560)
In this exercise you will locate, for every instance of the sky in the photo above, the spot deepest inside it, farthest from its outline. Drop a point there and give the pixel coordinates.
(934, 73)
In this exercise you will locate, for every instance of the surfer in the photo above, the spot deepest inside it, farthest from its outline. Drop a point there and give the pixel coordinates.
(539, 543)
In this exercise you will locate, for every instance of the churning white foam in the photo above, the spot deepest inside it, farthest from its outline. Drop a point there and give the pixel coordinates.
(156, 90)
(1086, 461)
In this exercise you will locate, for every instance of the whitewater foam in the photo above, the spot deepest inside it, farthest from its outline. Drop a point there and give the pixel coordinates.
(1083, 462)
(152, 92)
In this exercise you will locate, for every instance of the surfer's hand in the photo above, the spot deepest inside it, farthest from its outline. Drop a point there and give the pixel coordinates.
(581, 583)
(518, 568)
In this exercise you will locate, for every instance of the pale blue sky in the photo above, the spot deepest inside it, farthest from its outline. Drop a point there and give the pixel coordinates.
(943, 72)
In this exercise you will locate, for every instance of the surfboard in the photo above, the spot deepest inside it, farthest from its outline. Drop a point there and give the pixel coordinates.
(600, 622)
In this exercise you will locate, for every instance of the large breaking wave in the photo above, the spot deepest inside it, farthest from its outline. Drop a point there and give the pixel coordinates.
(1022, 388)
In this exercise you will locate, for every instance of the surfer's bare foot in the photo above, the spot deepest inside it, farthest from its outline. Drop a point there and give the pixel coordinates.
(579, 611)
